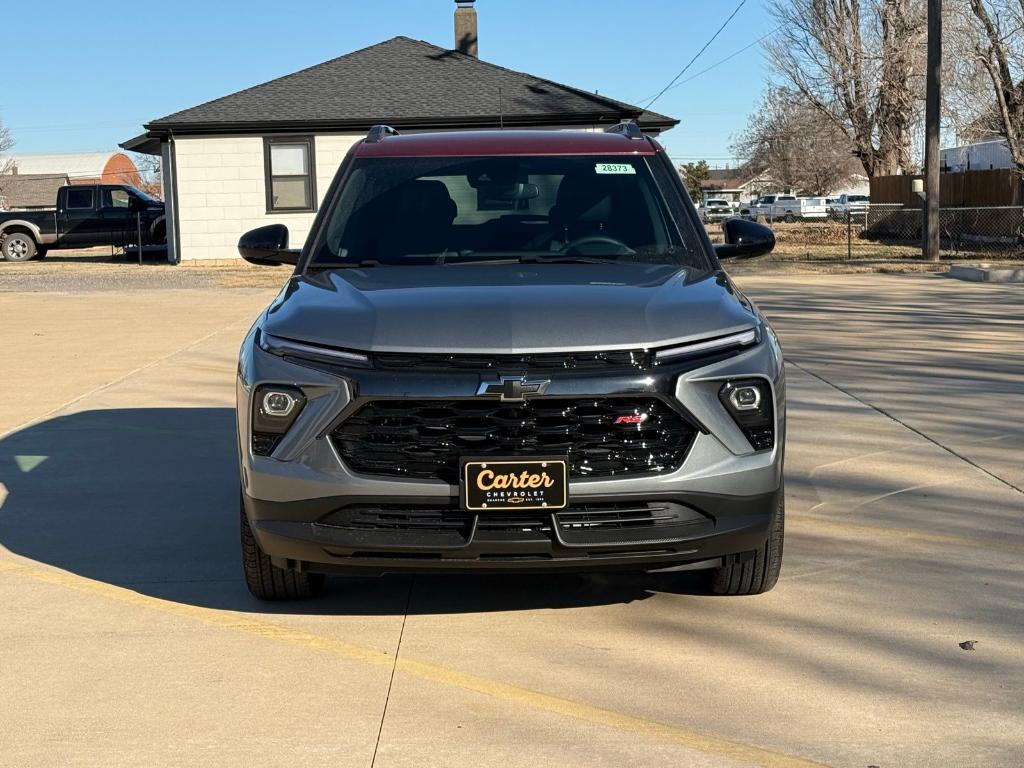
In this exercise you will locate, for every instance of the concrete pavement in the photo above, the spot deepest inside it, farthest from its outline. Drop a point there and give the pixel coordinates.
(127, 637)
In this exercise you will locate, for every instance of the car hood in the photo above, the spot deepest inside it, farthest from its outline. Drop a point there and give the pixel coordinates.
(506, 307)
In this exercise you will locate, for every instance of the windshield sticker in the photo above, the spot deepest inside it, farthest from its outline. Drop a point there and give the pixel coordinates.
(614, 168)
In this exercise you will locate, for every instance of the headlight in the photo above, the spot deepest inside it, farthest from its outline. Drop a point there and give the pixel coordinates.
(733, 340)
(274, 409)
(749, 402)
(278, 345)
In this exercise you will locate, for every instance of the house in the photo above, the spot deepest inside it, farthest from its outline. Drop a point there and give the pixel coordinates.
(78, 167)
(980, 156)
(268, 153)
(735, 185)
(30, 191)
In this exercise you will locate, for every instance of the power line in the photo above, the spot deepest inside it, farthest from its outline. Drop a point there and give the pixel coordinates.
(727, 58)
(696, 55)
(717, 64)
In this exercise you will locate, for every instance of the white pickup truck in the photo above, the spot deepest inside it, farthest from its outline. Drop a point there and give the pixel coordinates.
(786, 208)
(852, 205)
(715, 209)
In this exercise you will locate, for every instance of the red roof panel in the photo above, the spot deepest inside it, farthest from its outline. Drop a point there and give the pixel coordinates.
(487, 143)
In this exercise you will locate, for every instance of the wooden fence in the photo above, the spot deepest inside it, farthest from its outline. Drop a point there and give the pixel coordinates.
(958, 190)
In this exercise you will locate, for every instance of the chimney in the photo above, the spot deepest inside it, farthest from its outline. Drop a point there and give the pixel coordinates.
(465, 27)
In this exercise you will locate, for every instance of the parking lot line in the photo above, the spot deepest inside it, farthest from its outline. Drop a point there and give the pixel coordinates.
(435, 673)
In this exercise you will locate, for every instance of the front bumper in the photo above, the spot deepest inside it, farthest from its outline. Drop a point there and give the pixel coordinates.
(724, 493)
(707, 530)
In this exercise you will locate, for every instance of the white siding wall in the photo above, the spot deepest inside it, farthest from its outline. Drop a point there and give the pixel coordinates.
(977, 157)
(222, 193)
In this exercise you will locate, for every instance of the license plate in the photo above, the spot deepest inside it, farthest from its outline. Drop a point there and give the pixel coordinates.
(509, 484)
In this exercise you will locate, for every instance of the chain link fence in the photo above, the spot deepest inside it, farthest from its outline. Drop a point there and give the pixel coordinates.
(894, 232)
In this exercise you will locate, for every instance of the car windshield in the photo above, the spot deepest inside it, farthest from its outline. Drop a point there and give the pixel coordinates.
(139, 193)
(461, 210)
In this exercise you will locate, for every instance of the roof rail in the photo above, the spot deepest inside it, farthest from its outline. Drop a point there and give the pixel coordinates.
(379, 132)
(627, 128)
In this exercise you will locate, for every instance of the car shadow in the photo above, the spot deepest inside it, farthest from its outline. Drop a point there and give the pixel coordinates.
(148, 499)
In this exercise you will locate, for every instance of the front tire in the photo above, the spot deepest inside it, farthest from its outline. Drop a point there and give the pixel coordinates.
(268, 582)
(756, 572)
(18, 246)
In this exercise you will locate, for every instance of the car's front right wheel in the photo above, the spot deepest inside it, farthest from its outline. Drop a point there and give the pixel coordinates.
(265, 580)
(758, 571)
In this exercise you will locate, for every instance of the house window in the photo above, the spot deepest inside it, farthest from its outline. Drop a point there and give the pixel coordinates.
(290, 174)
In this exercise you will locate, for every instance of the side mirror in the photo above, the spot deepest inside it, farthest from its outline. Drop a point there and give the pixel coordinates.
(267, 246)
(744, 239)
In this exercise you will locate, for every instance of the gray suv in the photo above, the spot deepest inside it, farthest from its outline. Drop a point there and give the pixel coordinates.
(509, 351)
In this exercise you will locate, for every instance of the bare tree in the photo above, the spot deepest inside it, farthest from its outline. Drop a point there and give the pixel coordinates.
(6, 142)
(858, 63)
(987, 83)
(150, 173)
(799, 147)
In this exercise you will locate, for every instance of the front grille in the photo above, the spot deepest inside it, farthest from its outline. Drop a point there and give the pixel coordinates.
(629, 359)
(427, 438)
(405, 517)
(633, 516)
(424, 518)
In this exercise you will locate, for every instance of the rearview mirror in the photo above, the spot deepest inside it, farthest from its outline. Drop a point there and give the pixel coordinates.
(744, 239)
(267, 246)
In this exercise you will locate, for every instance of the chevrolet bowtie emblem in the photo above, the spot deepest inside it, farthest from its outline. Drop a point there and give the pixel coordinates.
(513, 388)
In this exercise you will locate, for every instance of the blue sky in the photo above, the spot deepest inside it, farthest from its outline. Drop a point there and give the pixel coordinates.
(97, 75)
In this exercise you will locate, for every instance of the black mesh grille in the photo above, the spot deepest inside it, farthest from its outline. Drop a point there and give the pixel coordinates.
(545, 361)
(427, 438)
(406, 517)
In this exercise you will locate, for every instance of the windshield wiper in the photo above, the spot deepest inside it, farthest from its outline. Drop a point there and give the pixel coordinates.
(564, 258)
(343, 264)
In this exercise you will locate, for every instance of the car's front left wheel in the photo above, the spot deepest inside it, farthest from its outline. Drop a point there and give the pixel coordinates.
(758, 571)
(268, 582)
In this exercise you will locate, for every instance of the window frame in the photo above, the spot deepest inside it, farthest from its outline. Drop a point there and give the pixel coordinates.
(268, 176)
(92, 199)
(109, 191)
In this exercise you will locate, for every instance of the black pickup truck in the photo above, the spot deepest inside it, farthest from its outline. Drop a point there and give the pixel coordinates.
(86, 215)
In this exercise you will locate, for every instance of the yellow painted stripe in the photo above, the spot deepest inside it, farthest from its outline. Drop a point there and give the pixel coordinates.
(904, 535)
(435, 673)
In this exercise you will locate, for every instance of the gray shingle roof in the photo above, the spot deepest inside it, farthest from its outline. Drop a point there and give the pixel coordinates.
(405, 83)
(32, 190)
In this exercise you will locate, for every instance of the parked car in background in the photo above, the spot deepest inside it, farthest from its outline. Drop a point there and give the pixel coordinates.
(715, 209)
(850, 204)
(813, 208)
(86, 215)
(785, 207)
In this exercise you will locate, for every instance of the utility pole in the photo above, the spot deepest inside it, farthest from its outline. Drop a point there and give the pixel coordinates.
(931, 130)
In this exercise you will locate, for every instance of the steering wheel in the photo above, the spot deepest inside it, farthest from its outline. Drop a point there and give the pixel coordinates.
(597, 245)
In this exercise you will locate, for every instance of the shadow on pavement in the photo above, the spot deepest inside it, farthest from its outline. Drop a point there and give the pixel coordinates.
(148, 499)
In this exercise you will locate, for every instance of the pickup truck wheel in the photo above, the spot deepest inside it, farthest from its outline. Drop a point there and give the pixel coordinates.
(757, 571)
(268, 582)
(18, 246)
(789, 218)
